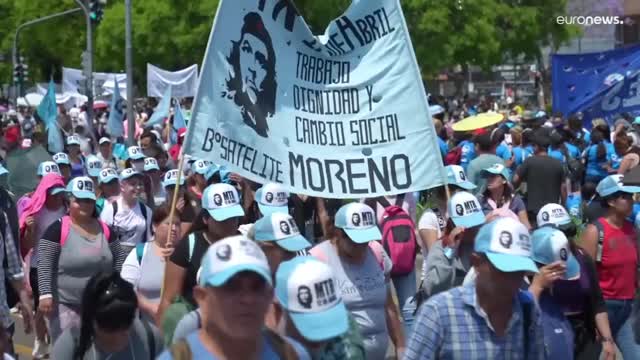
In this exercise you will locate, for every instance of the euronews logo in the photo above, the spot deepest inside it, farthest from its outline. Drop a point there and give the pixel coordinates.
(589, 20)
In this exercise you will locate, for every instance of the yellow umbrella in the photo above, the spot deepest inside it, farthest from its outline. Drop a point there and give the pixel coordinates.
(477, 122)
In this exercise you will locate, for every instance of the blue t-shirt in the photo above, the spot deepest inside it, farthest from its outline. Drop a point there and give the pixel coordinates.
(468, 153)
(573, 150)
(556, 154)
(595, 168)
(613, 156)
(558, 333)
(503, 152)
(444, 148)
(268, 353)
(520, 154)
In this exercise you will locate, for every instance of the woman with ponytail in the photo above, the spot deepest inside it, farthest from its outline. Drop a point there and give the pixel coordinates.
(597, 156)
(110, 328)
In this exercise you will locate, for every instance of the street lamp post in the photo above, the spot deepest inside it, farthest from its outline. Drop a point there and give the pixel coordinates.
(88, 70)
(14, 53)
(131, 119)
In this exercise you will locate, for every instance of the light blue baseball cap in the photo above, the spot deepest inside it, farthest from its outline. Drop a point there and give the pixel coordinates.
(57, 190)
(230, 256)
(551, 245)
(211, 170)
(48, 167)
(465, 210)
(498, 169)
(107, 175)
(613, 184)
(222, 202)
(201, 166)
(456, 176)
(3, 170)
(272, 197)
(307, 289)
(61, 159)
(151, 164)
(82, 188)
(128, 174)
(93, 165)
(636, 121)
(507, 244)
(134, 153)
(282, 229)
(73, 139)
(171, 177)
(359, 222)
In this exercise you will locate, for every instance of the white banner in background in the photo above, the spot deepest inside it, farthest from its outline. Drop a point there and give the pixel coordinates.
(73, 81)
(183, 82)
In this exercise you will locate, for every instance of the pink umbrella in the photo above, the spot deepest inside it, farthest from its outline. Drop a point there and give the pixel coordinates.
(99, 105)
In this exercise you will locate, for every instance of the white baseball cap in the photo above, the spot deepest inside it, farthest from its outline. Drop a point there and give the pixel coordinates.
(151, 164)
(553, 214)
(48, 167)
(465, 210)
(61, 159)
(551, 245)
(282, 229)
(103, 140)
(94, 165)
(129, 173)
(171, 177)
(135, 153)
(230, 256)
(107, 175)
(272, 197)
(456, 176)
(359, 222)
(507, 244)
(201, 166)
(222, 202)
(307, 289)
(73, 140)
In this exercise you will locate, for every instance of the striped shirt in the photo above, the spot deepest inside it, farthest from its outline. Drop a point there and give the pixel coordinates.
(13, 271)
(451, 325)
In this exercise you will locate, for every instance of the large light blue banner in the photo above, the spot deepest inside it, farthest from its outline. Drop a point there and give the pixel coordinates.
(342, 115)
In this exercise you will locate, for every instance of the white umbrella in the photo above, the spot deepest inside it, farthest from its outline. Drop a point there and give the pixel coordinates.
(22, 101)
(34, 99)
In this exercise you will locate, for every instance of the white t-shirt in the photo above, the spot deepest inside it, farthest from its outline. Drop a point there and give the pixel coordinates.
(431, 219)
(129, 225)
(43, 219)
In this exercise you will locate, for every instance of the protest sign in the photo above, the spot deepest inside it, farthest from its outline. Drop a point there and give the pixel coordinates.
(342, 115)
(73, 81)
(183, 82)
(603, 84)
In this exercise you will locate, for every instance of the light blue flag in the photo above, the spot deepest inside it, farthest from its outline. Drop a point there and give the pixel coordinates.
(340, 115)
(178, 118)
(162, 110)
(115, 125)
(48, 112)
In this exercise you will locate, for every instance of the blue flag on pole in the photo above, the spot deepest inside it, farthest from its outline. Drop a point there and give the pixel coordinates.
(178, 123)
(600, 85)
(115, 125)
(340, 115)
(162, 110)
(48, 112)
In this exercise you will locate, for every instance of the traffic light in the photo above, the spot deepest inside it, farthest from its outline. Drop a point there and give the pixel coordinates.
(96, 10)
(21, 71)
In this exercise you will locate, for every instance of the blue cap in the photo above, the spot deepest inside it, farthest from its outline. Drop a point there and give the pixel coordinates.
(307, 289)
(499, 169)
(48, 167)
(129, 173)
(465, 210)
(93, 165)
(171, 177)
(151, 164)
(507, 244)
(107, 175)
(456, 176)
(281, 228)
(61, 159)
(613, 184)
(230, 256)
(222, 202)
(3, 170)
(134, 153)
(212, 170)
(272, 197)
(359, 222)
(82, 188)
(636, 121)
(56, 190)
(551, 245)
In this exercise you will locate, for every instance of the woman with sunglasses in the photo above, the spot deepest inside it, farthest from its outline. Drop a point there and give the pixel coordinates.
(71, 250)
(612, 241)
(110, 328)
(144, 267)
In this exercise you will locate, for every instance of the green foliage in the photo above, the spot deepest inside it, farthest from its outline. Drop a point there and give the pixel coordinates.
(173, 34)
